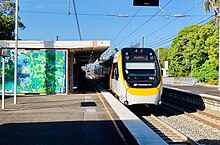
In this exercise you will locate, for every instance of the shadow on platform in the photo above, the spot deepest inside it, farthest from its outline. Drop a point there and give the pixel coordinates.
(62, 133)
(210, 142)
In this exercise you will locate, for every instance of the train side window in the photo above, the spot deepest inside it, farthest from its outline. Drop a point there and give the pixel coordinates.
(115, 71)
(116, 74)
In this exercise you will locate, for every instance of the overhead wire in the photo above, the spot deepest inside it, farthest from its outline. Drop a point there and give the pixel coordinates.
(132, 17)
(142, 24)
(125, 25)
(170, 38)
(173, 20)
(84, 14)
(97, 15)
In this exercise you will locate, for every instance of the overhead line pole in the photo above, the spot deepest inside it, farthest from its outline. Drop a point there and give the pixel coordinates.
(216, 9)
(77, 20)
(218, 54)
(16, 52)
(3, 82)
(68, 11)
(217, 12)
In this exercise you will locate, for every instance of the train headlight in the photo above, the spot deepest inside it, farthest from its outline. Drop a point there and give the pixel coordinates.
(127, 57)
(151, 78)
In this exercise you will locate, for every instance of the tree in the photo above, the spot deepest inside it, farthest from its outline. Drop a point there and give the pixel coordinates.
(207, 73)
(7, 23)
(211, 45)
(163, 56)
(195, 48)
(208, 6)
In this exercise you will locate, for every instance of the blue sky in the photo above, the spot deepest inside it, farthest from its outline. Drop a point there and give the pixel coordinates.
(46, 19)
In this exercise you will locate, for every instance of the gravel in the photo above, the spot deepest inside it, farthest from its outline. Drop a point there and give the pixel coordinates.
(200, 132)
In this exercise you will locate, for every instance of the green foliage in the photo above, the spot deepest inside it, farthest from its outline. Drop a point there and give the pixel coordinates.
(208, 6)
(163, 55)
(195, 48)
(7, 23)
(211, 45)
(207, 73)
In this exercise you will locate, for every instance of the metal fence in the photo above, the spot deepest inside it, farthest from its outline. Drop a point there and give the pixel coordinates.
(182, 81)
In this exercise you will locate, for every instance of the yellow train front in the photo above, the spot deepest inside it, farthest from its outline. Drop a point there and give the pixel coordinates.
(135, 76)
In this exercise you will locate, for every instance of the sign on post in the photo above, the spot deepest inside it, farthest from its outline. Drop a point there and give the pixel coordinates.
(94, 44)
(1, 51)
(4, 53)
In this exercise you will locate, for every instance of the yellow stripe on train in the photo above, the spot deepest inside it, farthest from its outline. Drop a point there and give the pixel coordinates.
(143, 91)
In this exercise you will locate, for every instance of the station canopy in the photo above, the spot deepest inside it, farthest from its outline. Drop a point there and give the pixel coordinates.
(84, 51)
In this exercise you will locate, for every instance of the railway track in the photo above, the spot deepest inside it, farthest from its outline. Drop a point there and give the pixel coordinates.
(167, 132)
(200, 116)
(170, 134)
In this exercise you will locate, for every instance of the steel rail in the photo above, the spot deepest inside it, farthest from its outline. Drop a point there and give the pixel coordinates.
(196, 117)
(166, 131)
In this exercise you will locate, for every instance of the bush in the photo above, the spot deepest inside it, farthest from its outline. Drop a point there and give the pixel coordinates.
(207, 73)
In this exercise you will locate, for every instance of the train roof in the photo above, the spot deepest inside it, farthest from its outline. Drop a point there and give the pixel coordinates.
(132, 48)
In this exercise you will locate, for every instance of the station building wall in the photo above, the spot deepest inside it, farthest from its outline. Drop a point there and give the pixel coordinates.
(39, 71)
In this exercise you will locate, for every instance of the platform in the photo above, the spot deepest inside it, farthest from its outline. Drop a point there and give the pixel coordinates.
(203, 90)
(82, 118)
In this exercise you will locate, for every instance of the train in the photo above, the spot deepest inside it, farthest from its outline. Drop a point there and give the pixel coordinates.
(134, 76)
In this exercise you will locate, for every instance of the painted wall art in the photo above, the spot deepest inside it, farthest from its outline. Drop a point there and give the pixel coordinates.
(39, 71)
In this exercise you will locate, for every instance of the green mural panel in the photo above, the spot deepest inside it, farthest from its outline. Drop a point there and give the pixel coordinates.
(39, 71)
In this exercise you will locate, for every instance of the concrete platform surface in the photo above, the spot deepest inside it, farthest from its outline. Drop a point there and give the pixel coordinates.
(77, 119)
(199, 89)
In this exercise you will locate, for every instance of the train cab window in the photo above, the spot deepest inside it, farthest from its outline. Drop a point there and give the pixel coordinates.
(140, 69)
(140, 66)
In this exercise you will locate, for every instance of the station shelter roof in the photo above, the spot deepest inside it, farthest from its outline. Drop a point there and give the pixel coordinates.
(85, 51)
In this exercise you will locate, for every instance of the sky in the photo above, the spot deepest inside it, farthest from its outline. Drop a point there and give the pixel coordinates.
(115, 20)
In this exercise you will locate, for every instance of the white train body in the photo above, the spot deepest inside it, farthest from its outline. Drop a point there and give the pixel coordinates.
(135, 76)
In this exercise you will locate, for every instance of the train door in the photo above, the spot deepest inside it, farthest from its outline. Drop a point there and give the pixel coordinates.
(114, 77)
